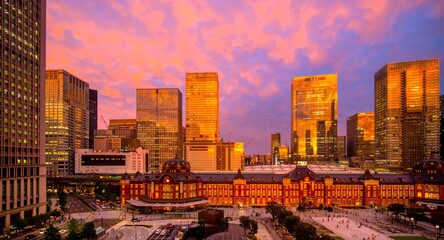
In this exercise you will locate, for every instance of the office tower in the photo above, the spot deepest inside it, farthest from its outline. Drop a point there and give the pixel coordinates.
(67, 120)
(275, 143)
(123, 127)
(361, 136)
(92, 116)
(283, 154)
(159, 124)
(202, 120)
(341, 147)
(441, 100)
(406, 113)
(230, 156)
(314, 115)
(22, 109)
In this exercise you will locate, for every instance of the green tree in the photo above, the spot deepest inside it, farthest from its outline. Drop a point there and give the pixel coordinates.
(245, 223)
(305, 231)
(438, 219)
(274, 208)
(20, 224)
(397, 209)
(200, 230)
(223, 225)
(324, 236)
(74, 230)
(301, 208)
(89, 231)
(253, 226)
(291, 222)
(52, 233)
(63, 199)
(283, 215)
(417, 213)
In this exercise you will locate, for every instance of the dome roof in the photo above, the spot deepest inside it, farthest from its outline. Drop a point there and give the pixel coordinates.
(176, 166)
(429, 166)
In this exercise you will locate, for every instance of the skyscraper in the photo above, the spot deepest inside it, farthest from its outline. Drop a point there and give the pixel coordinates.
(67, 120)
(314, 116)
(159, 124)
(202, 120)
(92, 116)
(361, 135)
(441, 100)
(22, 110)
(230, 156)
(275, 143)
(406, 113)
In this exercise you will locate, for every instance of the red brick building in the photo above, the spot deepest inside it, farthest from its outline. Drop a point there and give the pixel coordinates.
(177, 187)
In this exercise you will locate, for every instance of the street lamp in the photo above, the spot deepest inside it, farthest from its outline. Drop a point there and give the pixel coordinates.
(437, 232)
(376, 211)
(412, 220)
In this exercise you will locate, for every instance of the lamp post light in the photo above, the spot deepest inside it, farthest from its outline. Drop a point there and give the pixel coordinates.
(412, 220)
(437, 232)
(376, 211)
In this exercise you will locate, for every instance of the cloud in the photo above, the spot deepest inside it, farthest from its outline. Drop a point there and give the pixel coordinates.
(255, 46)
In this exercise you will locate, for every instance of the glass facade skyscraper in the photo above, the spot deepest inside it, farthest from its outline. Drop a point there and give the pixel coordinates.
(67, 120)
(93, 101)
(159, 124)
(22, 110)
(314, 116)
(202, 120)
(361, 135)
(407, 116)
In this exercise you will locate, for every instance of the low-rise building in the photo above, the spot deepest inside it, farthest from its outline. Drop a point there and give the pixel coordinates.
(88, 161)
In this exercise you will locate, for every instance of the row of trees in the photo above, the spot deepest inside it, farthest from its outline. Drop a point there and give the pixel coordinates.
(293, 224)
(75, 231)
(249, 224)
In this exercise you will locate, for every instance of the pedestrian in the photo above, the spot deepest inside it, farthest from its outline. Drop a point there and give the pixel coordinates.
(337, 226)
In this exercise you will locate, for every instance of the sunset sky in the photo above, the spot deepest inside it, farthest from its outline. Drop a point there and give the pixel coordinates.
(255, 46)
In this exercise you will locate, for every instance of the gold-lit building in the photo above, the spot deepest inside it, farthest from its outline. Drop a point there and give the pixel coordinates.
(314, 116)
(159, 124)
(407, 117)
(67, 120)
(22, 109)
(361, 135)
(202, 120)
(230, 156)
(275, 143)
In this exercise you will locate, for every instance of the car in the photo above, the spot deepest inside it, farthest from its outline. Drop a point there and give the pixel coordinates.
(157, 231)
(135, 220)
(42, 231)
(63, 231)
(163, 232)
(30, 236)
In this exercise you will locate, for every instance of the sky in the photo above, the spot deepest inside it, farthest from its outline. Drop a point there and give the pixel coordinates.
(255, 46)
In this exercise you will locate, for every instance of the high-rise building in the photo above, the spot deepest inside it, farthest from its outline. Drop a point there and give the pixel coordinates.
(67, 120)
(159, 124)
(314, 117)
(283, 154)
(441, 100)
(406, 113)
(123, 127)
(230, 156)
(275, 143)
(361, 136)
(202, 120)
(92, 116)
(341, 147)
(22, 110)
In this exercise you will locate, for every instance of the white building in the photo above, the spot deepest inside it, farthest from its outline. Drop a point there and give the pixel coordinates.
(89, 161)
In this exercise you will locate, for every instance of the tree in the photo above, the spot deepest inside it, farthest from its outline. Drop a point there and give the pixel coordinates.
(274, 208)
(245, 223)
(200, 230)
(301, 208)
(253, 226)
(291, 222)
(89, 231)
(63, 199)
(52, 233)
(20, 224)
(283, 215)
(305, 231)
(223, 225)
(74, 230)
(438, 219)
(397, 209)
(417, 213)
